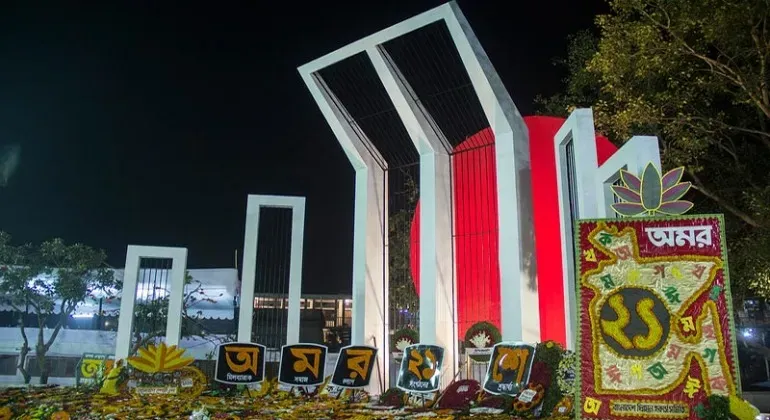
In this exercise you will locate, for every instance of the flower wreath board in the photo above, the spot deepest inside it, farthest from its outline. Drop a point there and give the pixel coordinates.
(480, 338)
(419, 374)
(656, 335)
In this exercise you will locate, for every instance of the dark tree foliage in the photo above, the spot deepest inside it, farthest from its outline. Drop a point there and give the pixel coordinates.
(695, 74)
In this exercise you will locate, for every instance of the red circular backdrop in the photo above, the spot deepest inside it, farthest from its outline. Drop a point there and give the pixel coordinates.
(475, 230)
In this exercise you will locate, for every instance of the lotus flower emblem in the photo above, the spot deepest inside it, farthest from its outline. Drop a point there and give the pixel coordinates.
(652, 194)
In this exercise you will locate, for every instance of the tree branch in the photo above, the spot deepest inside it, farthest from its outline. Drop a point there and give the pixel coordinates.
(62, 319)
(723, 203)
(716, 66)
(762, 54)
(23, 333)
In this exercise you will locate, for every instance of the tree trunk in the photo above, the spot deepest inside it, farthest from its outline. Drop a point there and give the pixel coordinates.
(23, 353)
(42, 365)
(22, 358)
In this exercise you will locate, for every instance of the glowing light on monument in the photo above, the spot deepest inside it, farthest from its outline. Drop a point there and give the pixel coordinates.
(476, 220)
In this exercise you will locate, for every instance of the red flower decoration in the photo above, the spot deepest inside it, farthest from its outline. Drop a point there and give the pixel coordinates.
(459, 395)
(540, 374)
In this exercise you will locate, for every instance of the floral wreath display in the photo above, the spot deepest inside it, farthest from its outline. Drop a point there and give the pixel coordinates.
(402, 339)
(656, 336)
(459, 395)
(392, 398)
(567, 372)
(481, 335)
(564, 407)
(232, 403)
(348, 395)
(165, 369)
(547, 360)
(529, 398)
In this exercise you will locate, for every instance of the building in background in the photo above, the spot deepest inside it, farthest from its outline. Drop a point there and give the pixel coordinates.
(325, 319)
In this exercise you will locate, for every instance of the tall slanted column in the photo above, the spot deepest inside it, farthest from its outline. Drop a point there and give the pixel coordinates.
(518, 279)
(370, 228)
(438, 308)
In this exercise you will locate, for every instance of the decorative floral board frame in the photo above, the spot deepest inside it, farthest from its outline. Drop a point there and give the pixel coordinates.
(89, 365)
(656, 333)
(420, 370)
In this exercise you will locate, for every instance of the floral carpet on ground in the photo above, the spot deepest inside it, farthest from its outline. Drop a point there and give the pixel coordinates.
(62, 403)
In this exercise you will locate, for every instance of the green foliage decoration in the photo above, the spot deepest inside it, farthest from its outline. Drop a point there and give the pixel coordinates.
(718, 408)
(483, 327)
(550, 353)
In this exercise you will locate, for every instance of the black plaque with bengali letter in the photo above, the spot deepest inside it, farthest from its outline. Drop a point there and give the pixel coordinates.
(420, 369)
(354, 367)
(240, 363)
(302, 365)
(509, 368)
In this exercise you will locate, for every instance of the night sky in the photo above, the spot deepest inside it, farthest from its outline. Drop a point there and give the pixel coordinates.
(147, 124)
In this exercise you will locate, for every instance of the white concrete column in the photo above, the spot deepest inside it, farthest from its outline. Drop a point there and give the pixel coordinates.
(370, 230)
(134, 255)
(295, 271)
(578, 131)
(253, 207)
(248, 272)
(593, 195)
(438, 311)
(633, 157)
(518, 273)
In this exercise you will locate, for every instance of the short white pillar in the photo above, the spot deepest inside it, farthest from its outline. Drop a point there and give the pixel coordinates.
(134, 255)
(253, 207)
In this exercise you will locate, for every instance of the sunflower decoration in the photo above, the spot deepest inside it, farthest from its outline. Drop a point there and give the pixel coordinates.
(652, 193)
(152, 359)
(164, 366)
(529, 398)
(481, 335)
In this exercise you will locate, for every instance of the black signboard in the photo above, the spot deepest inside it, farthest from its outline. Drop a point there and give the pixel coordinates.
(302, 365)
(420, 369)
(354, 367)
(509, 368)
(240, 363)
